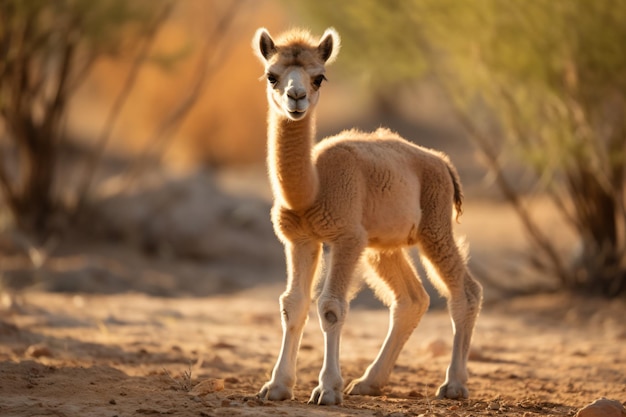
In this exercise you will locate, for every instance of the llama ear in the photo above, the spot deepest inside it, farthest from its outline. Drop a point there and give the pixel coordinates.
(263, 44)
(329, 45)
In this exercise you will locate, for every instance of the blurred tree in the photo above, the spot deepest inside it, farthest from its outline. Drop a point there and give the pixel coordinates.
(47, 50)
(547, 77)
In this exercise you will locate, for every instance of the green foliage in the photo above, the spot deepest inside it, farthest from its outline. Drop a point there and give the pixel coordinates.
(372, 32)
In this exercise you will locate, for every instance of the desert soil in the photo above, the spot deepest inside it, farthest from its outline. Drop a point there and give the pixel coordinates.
(99, 328)
(139, 355)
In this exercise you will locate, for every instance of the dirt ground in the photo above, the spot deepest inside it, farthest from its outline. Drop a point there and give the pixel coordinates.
(121, 328)
(139, 355)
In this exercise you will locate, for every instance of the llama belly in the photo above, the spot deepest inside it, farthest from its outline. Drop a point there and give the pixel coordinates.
(393, 230)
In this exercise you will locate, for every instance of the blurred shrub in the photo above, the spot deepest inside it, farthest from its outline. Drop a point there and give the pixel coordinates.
(225, 126)
(47, 49)
(118, 77)
(545, 77)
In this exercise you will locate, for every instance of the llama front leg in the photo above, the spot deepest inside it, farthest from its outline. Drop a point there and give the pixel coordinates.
(302, 262)
(332, 310)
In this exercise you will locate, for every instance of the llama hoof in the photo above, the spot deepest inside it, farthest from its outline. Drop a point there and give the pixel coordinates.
(323, 396)
(362, 387)
(453, 391)
(275, 392)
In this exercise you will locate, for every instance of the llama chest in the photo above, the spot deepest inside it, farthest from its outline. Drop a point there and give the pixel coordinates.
(319, 222)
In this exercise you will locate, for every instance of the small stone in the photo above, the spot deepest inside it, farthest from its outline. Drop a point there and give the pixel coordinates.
(603, 407)
(8, 328)
(437, 348)
(494, 405)
(207, 386)
(112, 402)
(480, 406)
(223, 345)
(415, 394)
(475, 354)
(38, 351)
(255, 401)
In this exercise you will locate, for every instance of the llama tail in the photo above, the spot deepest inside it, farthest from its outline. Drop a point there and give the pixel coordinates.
(458, 190)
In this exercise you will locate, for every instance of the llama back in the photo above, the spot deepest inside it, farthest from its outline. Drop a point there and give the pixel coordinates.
(383, 151)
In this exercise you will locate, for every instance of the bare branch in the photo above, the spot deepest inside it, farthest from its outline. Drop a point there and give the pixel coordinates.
(513, 197)
(93, 159)
(80, 75)
(7, 189)
(565, 212)
(56, 106)
(209, 58)
(491, 158)
(522, 137)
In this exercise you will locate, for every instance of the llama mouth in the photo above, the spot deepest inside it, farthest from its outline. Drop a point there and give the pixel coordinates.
(297, 114)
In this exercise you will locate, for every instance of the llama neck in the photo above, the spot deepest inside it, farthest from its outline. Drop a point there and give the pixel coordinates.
(292, 173)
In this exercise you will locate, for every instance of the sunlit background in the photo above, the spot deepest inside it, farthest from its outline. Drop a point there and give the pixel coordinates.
(134, 134)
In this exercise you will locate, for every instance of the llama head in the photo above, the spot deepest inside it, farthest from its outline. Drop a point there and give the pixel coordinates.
(294, 68)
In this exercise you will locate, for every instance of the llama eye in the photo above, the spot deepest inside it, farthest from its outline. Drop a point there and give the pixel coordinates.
(317, 81)
(271, 78)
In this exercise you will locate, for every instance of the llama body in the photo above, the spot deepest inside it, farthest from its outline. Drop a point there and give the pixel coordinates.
(368, 196)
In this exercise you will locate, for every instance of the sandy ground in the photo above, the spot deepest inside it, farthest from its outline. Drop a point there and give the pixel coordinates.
(110, 326)
(133, 354)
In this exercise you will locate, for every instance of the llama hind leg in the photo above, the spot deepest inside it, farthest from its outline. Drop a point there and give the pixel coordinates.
(445, 262)
(332, 310)
(464, 307)
(302, 262)
(407, 304)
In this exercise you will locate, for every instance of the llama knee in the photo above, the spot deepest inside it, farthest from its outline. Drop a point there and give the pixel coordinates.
(473, 293)
(412, 306)
(294, 309)
(332, 312)
(466, 301)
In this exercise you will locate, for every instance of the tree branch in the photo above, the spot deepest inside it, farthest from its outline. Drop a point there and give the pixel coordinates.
(56, 106)
(7, 188)
(93, 159)
(206, 64)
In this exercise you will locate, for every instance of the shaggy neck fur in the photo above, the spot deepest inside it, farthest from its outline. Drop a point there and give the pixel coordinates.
(292, 173)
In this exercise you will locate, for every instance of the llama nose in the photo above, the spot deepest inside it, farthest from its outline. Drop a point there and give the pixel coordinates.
(296, 93)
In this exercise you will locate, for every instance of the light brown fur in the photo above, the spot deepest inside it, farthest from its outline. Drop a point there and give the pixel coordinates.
(368, 196)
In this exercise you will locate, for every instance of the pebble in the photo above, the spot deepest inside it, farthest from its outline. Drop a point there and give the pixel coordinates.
(415, 394)
(437, 348)
(38, 351)
(602, 407)
(208, 386)
(494, 405)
